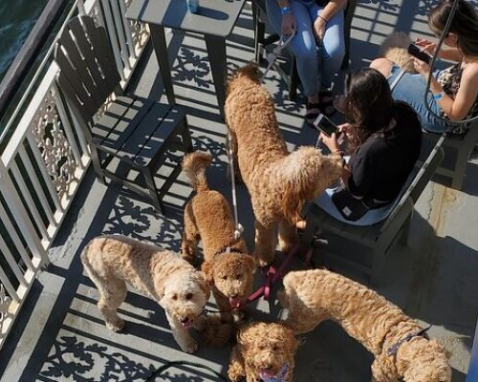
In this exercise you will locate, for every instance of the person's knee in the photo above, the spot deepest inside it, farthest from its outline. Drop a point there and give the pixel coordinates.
(383, 65)
(306, 54)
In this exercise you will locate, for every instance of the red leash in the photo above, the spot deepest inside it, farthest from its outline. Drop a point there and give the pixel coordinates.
(274, 274)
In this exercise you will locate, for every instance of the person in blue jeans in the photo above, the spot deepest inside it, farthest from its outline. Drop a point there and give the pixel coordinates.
(453, 94)
(318, 45)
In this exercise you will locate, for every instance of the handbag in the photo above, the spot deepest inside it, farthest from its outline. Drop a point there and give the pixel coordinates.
(350, 208)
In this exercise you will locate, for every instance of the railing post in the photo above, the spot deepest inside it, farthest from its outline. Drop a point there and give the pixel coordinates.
(21, 217)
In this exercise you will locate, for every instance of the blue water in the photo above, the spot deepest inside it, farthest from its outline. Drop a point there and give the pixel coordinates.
(17, 18)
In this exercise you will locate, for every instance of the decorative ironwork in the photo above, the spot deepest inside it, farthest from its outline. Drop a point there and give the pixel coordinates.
(139, 31)
(4, 304)
(54, 146)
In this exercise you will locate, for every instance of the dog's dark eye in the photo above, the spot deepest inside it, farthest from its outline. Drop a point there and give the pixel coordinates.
(238, 277)
(275, 348)
(175, 297)
(189, 296)
(261, 347)
(224, 277)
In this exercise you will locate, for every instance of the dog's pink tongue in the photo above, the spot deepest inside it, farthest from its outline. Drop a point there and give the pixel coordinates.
(187, 325)
(235, 302)
(265, 375)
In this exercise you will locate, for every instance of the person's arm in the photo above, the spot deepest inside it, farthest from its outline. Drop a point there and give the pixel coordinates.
(329, 11)
(452, 54)
(455, 109)
(288, 19)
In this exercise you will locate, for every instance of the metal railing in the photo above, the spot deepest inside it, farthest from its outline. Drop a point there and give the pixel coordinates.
(46, 157)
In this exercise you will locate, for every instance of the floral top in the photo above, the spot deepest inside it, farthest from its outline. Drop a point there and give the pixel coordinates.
(450, 80)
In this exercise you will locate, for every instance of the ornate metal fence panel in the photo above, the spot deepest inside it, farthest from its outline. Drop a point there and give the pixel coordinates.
(46, 158)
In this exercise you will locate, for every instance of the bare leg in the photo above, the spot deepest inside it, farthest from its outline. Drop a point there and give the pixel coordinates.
(383, 65)
(287, 236)
(113, 293)
(181, 335)
(265, 241)
(190, 235)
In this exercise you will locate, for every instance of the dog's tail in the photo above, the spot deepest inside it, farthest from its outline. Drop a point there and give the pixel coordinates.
(194, 166)
(94, 277)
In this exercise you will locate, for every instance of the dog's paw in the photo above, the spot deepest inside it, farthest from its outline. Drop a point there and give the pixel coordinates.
(116, 326)
(189, 346)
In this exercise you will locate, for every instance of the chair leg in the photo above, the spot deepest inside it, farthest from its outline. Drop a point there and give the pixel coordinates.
(186, 136)
(294, 80)
(95, 158)
(153, 193)
(403, 240)
(460, 169)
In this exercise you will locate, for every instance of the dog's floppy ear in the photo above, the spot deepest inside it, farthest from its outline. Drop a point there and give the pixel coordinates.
(203, 283)
(160, 287)
(208, 271)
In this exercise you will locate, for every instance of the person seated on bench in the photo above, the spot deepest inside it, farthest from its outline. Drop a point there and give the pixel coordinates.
(384, 140)
(455, 89)
(312, 21)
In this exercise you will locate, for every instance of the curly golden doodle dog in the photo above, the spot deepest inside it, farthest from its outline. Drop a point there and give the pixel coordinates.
(395, 48)
(264, 352)
(279, 182)
(111, 261)
(391, 336)
(227, 265)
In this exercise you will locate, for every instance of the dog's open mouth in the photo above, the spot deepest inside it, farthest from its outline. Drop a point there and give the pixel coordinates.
(268, 375)
(187, 323)
(235, 302)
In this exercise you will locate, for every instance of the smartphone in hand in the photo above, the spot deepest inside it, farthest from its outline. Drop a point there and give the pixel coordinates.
(415, 51)
(326, 126)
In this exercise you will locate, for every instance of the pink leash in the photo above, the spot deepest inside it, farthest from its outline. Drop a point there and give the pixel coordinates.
(274, 274)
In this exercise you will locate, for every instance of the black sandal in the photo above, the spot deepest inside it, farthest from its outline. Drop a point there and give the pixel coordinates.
(326, 107)
(312, 111)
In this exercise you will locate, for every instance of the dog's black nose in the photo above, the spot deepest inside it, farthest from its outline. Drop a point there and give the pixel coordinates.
(184, 320)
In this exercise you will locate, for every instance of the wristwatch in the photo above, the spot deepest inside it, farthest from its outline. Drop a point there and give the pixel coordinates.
(285, 10)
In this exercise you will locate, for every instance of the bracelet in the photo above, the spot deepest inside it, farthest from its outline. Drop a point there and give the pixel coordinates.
(438, 96)
(323, 19)
(285, 10)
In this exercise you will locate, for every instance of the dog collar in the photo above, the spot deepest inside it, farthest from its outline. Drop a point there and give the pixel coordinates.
(227, 249)
(279, 377)
(393, 350)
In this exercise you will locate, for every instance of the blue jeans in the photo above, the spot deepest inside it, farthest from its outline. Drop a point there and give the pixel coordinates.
(304, 44)
(411, 89)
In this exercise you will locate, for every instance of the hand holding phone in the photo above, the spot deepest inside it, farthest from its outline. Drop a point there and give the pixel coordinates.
(416, 52)
(326, 126)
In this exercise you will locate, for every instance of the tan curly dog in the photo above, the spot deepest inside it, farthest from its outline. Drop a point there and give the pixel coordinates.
(111, 261)
(264, 351)
(278, 182)
(389, 334)
(228, 266)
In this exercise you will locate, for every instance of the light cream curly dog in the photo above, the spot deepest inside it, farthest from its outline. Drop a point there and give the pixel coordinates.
(227, 265)
(111, 261)
(279, 182)
(264, 351)
(395, 48)
(314, 296)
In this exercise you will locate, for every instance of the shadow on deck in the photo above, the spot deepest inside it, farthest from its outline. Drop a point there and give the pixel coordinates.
(60, 334)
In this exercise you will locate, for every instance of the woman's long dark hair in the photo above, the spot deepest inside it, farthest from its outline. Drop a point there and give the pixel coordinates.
(369, 106)
(464, 24)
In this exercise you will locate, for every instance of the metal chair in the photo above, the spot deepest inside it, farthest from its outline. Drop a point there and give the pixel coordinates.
(129, 136)
(457, 153)
(379, 237)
